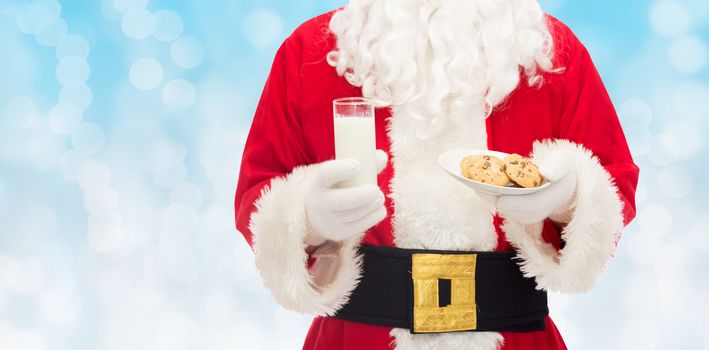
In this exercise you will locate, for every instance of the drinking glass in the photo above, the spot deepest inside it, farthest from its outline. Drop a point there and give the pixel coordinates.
(355, 137)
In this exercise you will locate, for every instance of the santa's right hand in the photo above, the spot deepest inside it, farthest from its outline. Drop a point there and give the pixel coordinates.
(337, 214)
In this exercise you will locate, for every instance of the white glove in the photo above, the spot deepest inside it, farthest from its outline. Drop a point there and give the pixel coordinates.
(339, 213)
(553, 202)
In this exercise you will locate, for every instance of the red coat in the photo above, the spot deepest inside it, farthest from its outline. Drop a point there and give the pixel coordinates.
(292, 132)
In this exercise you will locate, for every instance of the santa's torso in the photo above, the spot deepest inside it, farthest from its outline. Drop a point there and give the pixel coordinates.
(427, 208)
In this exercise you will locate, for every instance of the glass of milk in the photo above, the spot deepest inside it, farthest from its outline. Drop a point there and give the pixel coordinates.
(355, 137)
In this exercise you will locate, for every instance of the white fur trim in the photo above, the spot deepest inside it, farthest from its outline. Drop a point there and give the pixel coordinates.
(433, 211)
(596, 221)
(279, 228)
(404, 340)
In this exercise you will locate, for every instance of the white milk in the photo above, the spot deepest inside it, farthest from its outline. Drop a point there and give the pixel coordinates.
(355, 138)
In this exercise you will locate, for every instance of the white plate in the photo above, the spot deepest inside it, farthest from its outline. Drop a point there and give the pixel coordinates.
(450, 162)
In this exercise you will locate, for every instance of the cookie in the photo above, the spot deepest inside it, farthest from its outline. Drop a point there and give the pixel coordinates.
(485, 169)
(522, 171)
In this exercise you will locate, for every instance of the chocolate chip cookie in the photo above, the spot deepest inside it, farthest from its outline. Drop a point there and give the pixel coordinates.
(485, 169)
(522, 171)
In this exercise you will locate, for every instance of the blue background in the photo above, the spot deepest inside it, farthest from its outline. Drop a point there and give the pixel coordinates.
(121, 129)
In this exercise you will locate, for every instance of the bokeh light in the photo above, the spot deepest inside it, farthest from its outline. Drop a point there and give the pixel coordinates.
(146, 73)
(24, 277)
(88, 138)
(179, 95)
(670, 18)
(73, 71)
(664, 150)
(124, 6)
(187, 52)
(94, 176)
(106, 240)
(64, 119)
(675, 182)
(12, 7)
(690, 100)
(138, 24)
(262, 27)
(101, 200)
(635, 111)
(78, 96)
(57, 309)
(44, 148)
(187, 193)
(168, 25)
(170, 175)
(38, 15)
(71, 162)
(689, 55)
(691, 135)
(20, 112)
(72, 45)
(53, 34)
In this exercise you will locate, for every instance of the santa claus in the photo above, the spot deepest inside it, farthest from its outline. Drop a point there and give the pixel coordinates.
(451, 74)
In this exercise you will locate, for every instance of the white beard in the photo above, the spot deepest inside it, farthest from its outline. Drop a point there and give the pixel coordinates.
(440, 60)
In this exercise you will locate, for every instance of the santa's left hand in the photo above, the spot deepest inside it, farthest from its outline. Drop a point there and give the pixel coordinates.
(554, 202)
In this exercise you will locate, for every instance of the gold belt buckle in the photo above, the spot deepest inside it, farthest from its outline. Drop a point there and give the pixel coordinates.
(461, 314)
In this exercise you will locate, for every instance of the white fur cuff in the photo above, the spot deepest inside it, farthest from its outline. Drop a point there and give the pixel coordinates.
(279, 228)
(596, 221)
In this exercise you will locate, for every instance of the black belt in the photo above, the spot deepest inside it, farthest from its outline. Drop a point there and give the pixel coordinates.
(445, 291)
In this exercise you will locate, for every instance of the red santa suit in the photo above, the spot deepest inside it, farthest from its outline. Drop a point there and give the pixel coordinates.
(292, 133)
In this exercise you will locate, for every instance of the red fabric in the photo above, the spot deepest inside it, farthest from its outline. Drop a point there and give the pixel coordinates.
(293, 126)
(548, 339)
(328, 333)
(333, 333)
